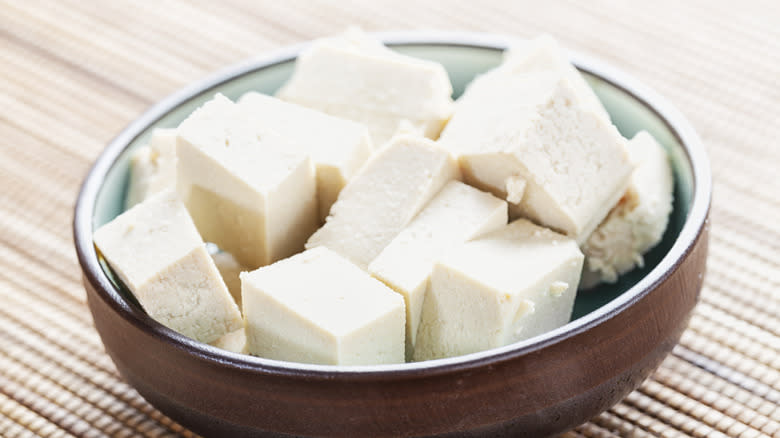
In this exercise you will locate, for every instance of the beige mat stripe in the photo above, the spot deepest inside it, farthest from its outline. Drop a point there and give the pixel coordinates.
(662, 411)
(731, 300)
(18, 420)
(705, 403)
(70, 292)
(616, 421)
(758, 276)
(732, 359)
(644, 422)
(79, 44)
(737, 237)
(723, 394)
(65, 390)
(81, 60)
(86, 362)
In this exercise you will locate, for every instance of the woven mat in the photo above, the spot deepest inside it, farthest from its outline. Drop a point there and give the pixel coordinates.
(73, 73)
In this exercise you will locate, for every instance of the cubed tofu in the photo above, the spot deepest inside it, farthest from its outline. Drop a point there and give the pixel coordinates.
(639, 220)
(229, 269)
(457, 213)
(528, 138)
(352, 77)
(337, 146)
(317, 307)
(152, 167)
(542, 54)
(156, 251)
(509, 285)
(384, 196)
(248, 190)
(233, 341)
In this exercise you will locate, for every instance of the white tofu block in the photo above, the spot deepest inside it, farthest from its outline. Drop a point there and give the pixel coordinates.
(229, 269)
(457, 213)
(233, 341)
(354, 38)
(152, 167)
(638, 221)
(317, 307)
(337, 146)
(509, 285)
(543, 53)
(384, 196)
(527, 138)
(248, 190)
(353, 77)
(156, 251)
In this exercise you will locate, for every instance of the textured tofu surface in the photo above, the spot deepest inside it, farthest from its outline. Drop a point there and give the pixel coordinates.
(506, 286)
(457, 213)
(543, 53)
(384, 196)
(337, 146)
(527, 138)
(355, 77)
(248, 190)
(152, 167)
(156, 251)
(317, 307)
(637, 223)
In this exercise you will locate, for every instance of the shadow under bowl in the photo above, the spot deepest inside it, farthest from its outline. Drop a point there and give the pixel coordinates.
(618, 335)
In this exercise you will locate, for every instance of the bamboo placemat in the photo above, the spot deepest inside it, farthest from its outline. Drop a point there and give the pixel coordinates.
(73, 73)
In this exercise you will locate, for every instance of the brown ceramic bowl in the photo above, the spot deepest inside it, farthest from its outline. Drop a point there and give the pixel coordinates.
(619, 333)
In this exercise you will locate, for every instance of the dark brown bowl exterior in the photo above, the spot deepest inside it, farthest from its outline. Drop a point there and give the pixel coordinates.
(536, 394)
(537, 389)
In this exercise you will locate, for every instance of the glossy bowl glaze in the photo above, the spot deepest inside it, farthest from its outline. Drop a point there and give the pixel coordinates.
(618, 335)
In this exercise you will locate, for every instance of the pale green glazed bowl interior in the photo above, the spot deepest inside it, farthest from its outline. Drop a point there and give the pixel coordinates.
(462, 62)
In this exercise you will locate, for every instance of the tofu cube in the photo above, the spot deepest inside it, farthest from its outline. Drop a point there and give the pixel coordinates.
(353, 76)
(637, 223)
(390, 189)
(229, 269)
(528, 138)
(543, 53)
(317, 307)
(156, 251)
(152, 167)
(248, 190)
(509, 285)
(337, 146)
(233, 341)
(457, 213)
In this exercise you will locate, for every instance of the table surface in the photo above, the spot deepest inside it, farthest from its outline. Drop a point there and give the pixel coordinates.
(74, 73)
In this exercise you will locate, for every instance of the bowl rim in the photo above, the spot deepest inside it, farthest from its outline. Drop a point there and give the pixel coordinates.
(677, 124)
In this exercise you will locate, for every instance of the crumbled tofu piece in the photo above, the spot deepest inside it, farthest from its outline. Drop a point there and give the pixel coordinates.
(351, 76)
(532, 127)
(229, 269)
(248, 190)
(457, 213)
(317, 307)
(638, 221)
(156, 251)
(233, 341)
(337, 146)
(506, 286)
(384, 196)
(152, 167)
(543, 53)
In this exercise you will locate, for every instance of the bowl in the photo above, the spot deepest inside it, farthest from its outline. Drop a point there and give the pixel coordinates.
(618, 334)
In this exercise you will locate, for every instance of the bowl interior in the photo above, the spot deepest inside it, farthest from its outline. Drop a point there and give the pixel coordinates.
(462, 62)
